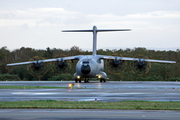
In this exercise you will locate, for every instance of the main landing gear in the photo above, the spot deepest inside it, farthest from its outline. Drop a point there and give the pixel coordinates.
(86, 80)
(102, 80)
(76, 81)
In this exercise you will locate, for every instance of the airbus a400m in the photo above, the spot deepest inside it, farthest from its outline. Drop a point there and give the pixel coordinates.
(91, 66)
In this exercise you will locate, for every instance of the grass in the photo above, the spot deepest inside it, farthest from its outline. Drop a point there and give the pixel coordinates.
(52, 104)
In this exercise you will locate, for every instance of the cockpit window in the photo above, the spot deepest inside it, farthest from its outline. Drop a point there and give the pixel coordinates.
(86, 62)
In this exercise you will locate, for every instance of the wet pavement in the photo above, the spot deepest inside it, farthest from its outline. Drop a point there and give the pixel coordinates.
(87, 114)
(105, 92)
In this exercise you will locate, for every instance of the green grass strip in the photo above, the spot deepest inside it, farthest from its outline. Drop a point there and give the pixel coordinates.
(52, 104)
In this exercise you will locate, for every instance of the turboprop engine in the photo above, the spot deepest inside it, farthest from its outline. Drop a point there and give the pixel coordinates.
(116, 66)
(38, 67)
(140, 66)
(61, 66)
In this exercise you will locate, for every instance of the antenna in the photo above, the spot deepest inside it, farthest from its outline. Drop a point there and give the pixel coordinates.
(94, 31)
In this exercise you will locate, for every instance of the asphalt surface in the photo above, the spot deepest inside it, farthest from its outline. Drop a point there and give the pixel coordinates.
(104, 92)
(84, 114)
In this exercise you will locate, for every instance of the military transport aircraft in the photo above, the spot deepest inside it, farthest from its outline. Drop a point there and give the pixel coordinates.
(91, 66)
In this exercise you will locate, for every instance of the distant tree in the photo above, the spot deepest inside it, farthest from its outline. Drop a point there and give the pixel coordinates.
(21, 71)
(75, 50)
(3, 53)
(48, 53)
(3, 68)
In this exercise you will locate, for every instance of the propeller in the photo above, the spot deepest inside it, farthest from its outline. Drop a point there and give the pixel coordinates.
(61, 66)
(140, 66)
(140, 63)
(37, 68)
(60, 62)
(116, 66)
(37, 65)
(116, 62)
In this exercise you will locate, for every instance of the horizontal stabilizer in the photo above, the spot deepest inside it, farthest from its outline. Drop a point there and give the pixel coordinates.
(95, 31)
(103, 30)
(77, 30)
(108, 30)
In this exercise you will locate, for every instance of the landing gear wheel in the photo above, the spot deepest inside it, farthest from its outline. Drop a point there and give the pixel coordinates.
(102, 80)
(79, 81)
(76, 81)
(86, 80)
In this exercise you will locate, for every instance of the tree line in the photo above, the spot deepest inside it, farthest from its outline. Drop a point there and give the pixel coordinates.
(127, 70)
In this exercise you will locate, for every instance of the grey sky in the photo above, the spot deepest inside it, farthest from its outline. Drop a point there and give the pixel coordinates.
(38, 23)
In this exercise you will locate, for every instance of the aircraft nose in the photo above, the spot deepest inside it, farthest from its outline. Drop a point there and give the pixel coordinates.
(85, 69)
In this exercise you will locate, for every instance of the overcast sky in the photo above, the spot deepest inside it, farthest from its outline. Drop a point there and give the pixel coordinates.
(38, 23)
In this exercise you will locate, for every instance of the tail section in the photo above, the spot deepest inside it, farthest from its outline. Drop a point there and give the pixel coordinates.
(94, 31)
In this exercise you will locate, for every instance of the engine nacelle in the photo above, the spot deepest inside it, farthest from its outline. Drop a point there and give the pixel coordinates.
(116, 66)
(61, 66)
(37, 69)
(140, 64)
(37, 65)
(61, 63)
(140, 67)
(116, 63)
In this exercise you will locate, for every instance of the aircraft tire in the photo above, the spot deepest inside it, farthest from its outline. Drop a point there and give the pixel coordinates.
(76, 81)
(86, 80)
(79, 81)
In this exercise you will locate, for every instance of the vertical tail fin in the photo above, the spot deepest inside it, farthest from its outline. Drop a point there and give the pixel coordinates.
(94, 31)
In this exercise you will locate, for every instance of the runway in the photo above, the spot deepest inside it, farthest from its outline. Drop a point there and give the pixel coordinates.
(105, 92)
(84, 114)
(110, 91)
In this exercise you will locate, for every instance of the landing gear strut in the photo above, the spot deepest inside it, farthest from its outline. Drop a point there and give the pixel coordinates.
(76, 81)
(102, 80)
(86, 80)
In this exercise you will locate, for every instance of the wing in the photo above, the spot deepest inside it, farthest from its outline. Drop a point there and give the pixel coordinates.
(134, 59)
(47, 60)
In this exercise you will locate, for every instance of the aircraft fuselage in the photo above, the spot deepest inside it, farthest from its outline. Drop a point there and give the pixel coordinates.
(90, 66)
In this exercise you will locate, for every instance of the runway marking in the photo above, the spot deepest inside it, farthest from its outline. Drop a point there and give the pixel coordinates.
(40, 93)
(28, 93)
(89, 99)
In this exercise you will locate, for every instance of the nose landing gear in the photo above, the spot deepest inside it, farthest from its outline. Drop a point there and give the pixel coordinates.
(86, 80)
